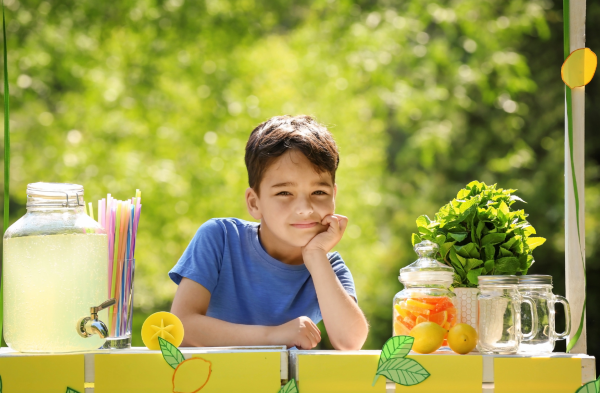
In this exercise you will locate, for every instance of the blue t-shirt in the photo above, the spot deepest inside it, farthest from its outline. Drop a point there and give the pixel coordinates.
(247, 285)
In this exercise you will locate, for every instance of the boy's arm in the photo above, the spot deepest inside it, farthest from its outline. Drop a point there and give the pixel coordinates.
(191, 303)
(345, 323)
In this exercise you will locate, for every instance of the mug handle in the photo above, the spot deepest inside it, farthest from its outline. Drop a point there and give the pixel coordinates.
(534, 319)
(565, 303)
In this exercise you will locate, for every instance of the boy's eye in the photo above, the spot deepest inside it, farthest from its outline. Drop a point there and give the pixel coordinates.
(319, 192)
(283, 193)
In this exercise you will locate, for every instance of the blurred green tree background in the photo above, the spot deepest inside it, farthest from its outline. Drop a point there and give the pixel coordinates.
(422, 97)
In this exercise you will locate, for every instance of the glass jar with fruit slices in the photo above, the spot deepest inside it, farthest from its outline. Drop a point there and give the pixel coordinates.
(426, 296)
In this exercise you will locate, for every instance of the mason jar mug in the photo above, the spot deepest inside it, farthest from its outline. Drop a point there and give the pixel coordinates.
(539, 288)
(499, 321)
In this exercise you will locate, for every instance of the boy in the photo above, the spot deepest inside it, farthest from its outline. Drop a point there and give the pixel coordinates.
(269, 283)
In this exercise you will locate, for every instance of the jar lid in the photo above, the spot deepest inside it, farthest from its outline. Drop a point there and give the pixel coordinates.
(54, 195)
(535, 279)
(427, 268)
(498, 280)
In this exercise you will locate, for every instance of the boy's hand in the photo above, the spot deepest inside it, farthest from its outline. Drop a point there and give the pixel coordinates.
(325, 241)
(300, 332)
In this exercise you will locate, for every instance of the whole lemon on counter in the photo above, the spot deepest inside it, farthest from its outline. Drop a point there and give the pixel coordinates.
(462, 338)
(428, 337)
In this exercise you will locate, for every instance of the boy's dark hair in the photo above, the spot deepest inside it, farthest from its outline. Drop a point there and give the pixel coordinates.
(280, 134)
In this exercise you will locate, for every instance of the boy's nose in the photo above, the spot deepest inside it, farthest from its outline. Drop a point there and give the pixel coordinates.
(304, 206)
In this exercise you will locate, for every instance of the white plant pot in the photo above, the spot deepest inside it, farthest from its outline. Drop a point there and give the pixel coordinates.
(466, 305)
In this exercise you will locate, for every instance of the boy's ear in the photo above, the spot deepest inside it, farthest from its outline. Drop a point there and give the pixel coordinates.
(252, 204)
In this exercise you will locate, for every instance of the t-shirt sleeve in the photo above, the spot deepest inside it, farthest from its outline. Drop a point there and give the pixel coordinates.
(202, 259)
(343, 274)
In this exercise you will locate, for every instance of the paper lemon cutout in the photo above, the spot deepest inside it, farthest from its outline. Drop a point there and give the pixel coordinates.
(579, 68)
(164, 325)
(191, 375)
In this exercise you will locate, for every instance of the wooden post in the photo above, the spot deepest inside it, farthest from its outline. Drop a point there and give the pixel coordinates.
(574, 241)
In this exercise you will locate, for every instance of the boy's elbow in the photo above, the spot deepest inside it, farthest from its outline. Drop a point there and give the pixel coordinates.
(352, 342)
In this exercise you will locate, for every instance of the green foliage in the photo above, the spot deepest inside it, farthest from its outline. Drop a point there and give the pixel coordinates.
(488, 237)
(171, 354)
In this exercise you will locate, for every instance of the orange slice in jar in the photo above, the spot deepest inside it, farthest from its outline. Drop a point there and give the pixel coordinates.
(451, 315)
(443, 305)
(433, 299)
(409, 323)
(414, 303)
(401, 310)
(440, 318)
(420, 319)
(417, 310)
(400, 329)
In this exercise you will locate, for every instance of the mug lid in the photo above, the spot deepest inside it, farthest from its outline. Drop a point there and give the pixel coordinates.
(535, 279)
(498, 280)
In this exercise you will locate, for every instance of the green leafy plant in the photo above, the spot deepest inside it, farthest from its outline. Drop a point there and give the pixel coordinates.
(478, 233)
(394, 365)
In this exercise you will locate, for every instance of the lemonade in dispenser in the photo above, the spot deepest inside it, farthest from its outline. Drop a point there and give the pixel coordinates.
(55, 274)
(426, 296)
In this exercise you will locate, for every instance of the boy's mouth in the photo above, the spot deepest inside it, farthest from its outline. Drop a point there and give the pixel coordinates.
(305, 225)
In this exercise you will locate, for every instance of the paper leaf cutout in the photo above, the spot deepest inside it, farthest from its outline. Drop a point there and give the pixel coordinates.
(403, 371)
(171, 354)
(289, 387)
(0, 384)
(590, 387)
(69, 390)
(396, 347)
(579, 68)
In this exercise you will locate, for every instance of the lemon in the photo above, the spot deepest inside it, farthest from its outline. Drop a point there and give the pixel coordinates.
(428, 337)
(191, 375)
(462, 338)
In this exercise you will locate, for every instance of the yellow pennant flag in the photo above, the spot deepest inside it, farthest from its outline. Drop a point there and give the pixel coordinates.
(579, 68)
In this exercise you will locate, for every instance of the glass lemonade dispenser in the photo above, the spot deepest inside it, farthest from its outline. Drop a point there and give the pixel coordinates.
(55, 274)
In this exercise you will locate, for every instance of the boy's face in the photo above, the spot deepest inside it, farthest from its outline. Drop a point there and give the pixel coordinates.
(293, 200)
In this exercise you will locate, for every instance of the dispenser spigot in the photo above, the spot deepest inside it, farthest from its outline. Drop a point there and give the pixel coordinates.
(88, 326)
